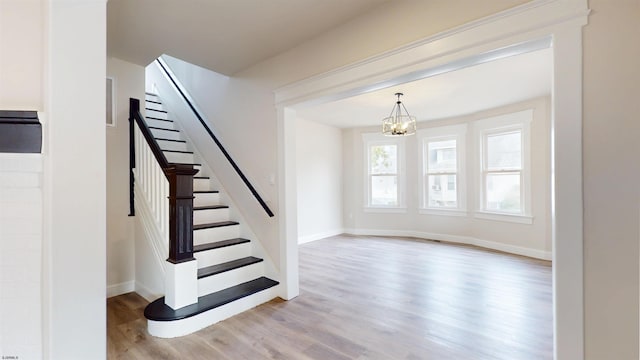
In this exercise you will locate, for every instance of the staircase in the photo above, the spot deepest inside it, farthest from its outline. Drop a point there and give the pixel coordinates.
(230, 278)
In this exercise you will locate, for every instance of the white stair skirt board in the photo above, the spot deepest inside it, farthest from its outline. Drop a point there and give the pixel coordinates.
(201, 184)
(163, 134)
(179, 158)
(221, 281)
(205, 236)
(172, 145)
(222, 255)
(181, 285)
(171, 329)
(160, 123)
(210, 215)
(204, 199)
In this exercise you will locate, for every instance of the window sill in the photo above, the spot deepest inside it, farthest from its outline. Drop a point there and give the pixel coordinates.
(520, 219)
(392, 210)
(443, 212)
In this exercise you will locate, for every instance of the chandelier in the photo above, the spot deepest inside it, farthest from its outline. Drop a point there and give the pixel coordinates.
(397, 124)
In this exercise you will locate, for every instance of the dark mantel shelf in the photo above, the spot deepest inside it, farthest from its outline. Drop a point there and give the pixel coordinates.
(20, 132)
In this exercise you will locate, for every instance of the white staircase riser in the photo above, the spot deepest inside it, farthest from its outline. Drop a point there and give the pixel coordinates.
(179, 158)
(222, 255)
(160, 123)
(157, 114)
(201, 184)
(209, 216)
(205, 236)
(150, 105)
(230, 278)
(171, 329)
(151, 97)
(163, 134)
(204, 199)
(172, 145)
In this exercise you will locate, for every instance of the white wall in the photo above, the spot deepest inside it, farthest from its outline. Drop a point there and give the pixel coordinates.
(319, 180)
(128, 83)
(531, 240)
(611, 177)
(22, 35)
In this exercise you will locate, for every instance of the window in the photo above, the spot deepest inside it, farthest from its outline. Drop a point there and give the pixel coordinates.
(111, 104)
(385, 177)
(504, 164)
(442, 182)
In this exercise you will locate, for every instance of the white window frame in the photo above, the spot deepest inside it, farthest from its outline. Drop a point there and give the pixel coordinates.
(517, 121)
(377, 139)
(443, 133)
(111, 98)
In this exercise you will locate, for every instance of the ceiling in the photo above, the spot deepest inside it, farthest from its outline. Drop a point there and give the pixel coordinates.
(139, 31)
(465, 91)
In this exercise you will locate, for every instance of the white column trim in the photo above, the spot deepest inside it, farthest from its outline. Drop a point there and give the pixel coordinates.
(521, 29)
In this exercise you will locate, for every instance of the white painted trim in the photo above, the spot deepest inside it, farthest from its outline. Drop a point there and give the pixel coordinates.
(512, 249)
(145, 292)
(114, 107)
(323, 235)
(515, 218)
(121, 288)
(443, 212)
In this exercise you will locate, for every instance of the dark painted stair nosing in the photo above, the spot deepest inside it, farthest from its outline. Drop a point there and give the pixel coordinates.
(227, 266)
(163, 139)
(210, 207)
(201, 177)
(157, 128)
(148, 93)
(159, 311)
(206, 192)
(220, 244)
(158, 119)
(214, 225)
(179, 151)
(151, 101)
(156, 110)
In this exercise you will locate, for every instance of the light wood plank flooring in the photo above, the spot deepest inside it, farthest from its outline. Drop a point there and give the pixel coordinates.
(373, 298)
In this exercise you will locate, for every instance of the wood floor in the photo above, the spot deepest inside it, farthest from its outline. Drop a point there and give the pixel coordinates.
(373, 298)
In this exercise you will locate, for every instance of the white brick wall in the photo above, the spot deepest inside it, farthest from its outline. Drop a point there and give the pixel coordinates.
(20, 255)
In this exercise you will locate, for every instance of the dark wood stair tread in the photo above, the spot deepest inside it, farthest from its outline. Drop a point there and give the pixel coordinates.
(150, 93)
(214, 225)
(152, 101)
(163, 139)
(201, 177)
(175, 163)
(159, 311)
(206, 192)
(220, 244)
(228, 266)
(150, 109)
(210, 207)
(158, 119)
(179, 151)
(159, 128)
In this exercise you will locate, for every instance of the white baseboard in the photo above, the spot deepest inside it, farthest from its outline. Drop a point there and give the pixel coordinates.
(313, 237)
(146, 293)
(513, 249)
(121, 288)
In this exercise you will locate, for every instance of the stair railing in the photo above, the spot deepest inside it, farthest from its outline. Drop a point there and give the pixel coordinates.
(215, 139)
(167, 187)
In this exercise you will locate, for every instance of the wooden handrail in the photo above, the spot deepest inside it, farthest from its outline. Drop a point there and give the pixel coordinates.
(180, 177)
(224, 151)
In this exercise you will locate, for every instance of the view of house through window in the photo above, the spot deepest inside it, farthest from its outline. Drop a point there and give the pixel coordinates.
(383, 174)
(502, 171)
(441, 173)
